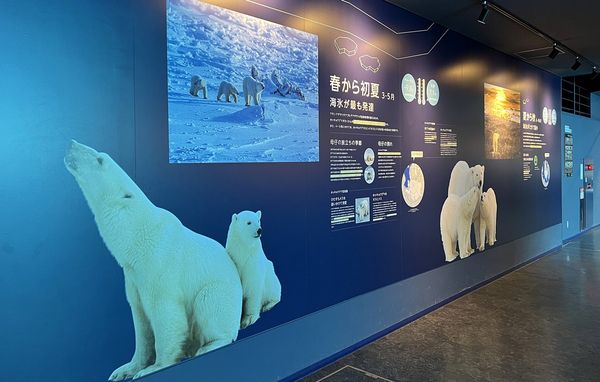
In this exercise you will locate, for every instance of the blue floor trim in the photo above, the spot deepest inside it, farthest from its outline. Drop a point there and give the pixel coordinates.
(335, 357)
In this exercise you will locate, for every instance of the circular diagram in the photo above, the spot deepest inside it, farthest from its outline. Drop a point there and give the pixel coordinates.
(413, 185)
(409, 87)
(545, 115)
(369, 156)
(433, 93)
(553, 117)
(369, 175)
(545, 173)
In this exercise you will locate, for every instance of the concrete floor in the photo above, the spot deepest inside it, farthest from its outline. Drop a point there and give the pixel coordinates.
(539, 323)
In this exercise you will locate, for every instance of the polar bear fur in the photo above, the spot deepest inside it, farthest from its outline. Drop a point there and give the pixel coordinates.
(252, 90)
(488, 211)
(462, 179)
(261, 287)
(228, 90)
(183, 289)
(455, 223)
(197, 85)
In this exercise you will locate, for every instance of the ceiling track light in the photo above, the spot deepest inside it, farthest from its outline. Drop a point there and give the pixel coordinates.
(554, 52)
(487, 5)
(595, 73)
(484, 12)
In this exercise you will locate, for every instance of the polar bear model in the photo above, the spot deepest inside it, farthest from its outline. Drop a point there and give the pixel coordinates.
(183, 289)
(488, 212)
(252, 90)
(455, 223)
(462, 179)
(228, 90)
(197, 85)
(260, 284)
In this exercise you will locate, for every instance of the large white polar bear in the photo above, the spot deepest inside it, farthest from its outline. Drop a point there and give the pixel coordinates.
(183, 289)
(228, 90)
(488, 212)
(455, 223)
(252, 90)
(262, 289)
(462, 179)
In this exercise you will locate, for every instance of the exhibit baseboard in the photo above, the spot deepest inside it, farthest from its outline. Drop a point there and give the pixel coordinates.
(294, 349)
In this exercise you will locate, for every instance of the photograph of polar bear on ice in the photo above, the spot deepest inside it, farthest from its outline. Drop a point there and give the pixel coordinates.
(240, 89)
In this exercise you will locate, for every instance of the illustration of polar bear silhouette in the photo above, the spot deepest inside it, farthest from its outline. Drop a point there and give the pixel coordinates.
(455, 223)
(261, 287)
(197, 85)
(228, 90)
(462, 179)
(183, 289)
(489, 211)
(252, 90)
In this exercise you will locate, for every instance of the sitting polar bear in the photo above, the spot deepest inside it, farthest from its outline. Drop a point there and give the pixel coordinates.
(228, 90)
(252, 90)
(260, 284)
(183, 289)
(455, 223)
(462, 179)
(197, 85)
(488, 211)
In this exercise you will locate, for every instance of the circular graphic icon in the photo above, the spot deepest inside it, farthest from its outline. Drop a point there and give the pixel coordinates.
(553, 117)
(409, 87)
(545, 173)
(545, 115)
(433, 93)
(413, 185)
(369, 174)
(369, 156)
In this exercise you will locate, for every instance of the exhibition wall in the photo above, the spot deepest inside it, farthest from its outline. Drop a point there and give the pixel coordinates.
(340, 166)
(586, 144)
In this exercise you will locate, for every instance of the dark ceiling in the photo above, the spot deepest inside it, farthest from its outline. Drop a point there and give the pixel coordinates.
(574, 23)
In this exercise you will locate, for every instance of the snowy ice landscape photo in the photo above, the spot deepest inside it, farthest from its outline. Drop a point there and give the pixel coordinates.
(216, 45)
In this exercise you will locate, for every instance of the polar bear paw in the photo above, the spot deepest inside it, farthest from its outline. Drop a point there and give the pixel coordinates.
(482, 247)
(146, 371)
(249, 320)
(452, 258)
(268, 306)
(126, 371)
(467, 253)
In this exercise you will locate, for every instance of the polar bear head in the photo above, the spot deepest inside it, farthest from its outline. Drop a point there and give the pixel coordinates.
(477, 173)
(106, 187)
(246, 226)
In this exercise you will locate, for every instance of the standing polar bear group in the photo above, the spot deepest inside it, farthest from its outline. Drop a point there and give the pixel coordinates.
(465, 207)
(183, 288)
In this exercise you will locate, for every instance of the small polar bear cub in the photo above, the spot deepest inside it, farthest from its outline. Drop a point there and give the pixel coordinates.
(183, 289)
(252, 90)
(197, 85)
(489, 210)
(228, 90)
(260, 285)
(455, 223)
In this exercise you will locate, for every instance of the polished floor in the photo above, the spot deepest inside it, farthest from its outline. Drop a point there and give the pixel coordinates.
(539, 323)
